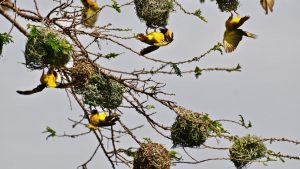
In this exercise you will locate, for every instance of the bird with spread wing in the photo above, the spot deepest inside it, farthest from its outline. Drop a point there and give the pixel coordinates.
(97, 119)
(156, 39)
(233, 35)
(48, 79)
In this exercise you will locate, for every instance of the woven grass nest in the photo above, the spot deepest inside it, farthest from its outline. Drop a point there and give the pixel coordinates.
(45, 46)
(246, 149)
(101, 91)
(190, 129)
(82, 71)
(152, 156)
(154, 12)
(228, 5)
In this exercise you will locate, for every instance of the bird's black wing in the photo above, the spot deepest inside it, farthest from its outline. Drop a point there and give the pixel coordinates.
(35, 90)
(110, 120)
(66, 85)
(148, 50)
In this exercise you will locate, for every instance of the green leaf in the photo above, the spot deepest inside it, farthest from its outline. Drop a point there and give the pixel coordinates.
(147, 139)
(175, 155)
(218, 47)
(150, 106)
(51, 132)
(111, 55)
(242, 121)
(4, 39)
(116, 6)
(176, 69)
(198, 14)
(198, 72)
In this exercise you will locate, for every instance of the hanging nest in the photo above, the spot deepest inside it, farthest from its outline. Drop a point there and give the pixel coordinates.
(228, 5)
(190, 129)
(152, 156)
(154, 12)
(45, 46)
(246, 149)
(101, 91)
(82, 71)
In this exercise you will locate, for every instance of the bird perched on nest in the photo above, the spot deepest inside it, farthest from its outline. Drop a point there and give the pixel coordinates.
(47, 80)
(7, 2)
(101, 119)
(233, 35)
(155, 39)
(90, 12)
(267, 5)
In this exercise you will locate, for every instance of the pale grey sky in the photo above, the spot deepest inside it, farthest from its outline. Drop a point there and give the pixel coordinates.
(267, 91)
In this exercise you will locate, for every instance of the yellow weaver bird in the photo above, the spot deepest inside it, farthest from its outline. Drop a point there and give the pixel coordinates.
(101, 119)
(90, 12)
(233, 35)
(267, 5)
(47, 80)
(155, 39)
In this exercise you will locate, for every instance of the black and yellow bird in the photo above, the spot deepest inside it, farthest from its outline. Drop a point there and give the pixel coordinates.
(47, 80)
(90, 12)
(97, 119)
(267, 5)
(233, 35)
(156, 39)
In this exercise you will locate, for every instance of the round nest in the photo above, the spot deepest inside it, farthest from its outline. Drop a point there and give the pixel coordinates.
(189, 129)
(154, 12)
(101, 91)
(246, 149)
(82, 71)
(152, 156)
(228, 5)
(45, 46)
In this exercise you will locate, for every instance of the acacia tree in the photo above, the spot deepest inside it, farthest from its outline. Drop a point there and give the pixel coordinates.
(59, 42)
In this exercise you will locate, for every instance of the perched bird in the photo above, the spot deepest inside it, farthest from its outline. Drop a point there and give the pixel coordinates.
(155, 39)
(47, 80)
(267, 5)
(233, 35)
(7, 2)
(90, 12)
(101, 119)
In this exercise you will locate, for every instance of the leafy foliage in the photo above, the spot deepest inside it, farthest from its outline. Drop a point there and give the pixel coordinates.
(46, 47)
(4, 39)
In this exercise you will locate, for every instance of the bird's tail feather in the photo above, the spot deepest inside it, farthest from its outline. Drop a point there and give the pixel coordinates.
(250, 35)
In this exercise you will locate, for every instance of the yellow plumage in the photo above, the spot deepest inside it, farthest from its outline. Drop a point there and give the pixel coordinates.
(90, 12)
(97, 120)
(233, 35)
(267, 5)
(235, 22)
(49, 79)
(155, 39)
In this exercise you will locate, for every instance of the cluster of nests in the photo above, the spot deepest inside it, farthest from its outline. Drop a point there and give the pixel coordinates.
(155, 13)
(47, 48)
(192, 129)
